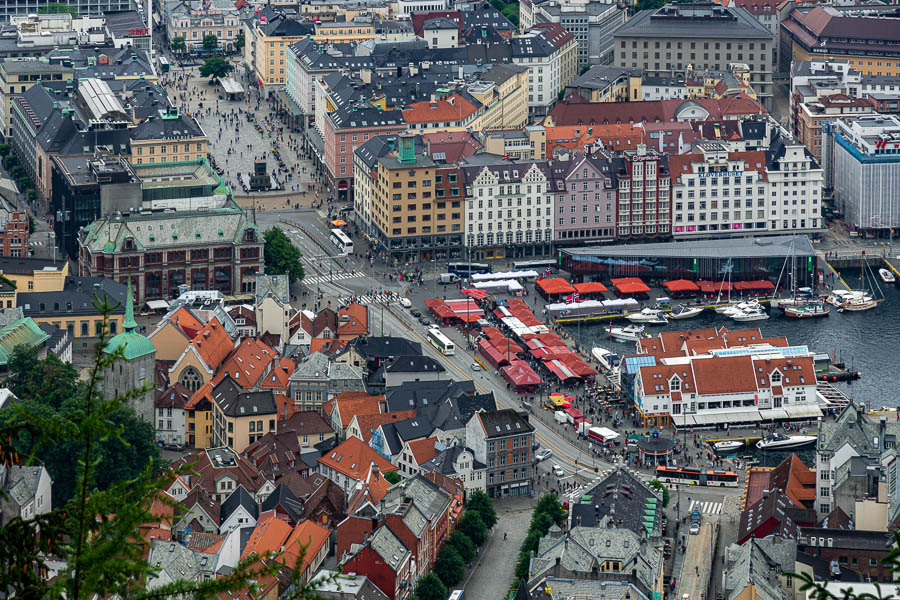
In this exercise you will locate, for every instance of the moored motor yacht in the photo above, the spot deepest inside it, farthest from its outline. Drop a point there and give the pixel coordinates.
(629, 333)
(749, 314)
(886, 276)
(605, 358)
(650, 316)
(809, 310)
(685, 312)
(727, 446)
(779, 441)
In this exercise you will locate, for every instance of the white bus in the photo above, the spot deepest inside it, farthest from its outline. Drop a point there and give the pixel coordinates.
(441, 341)
(341, 241)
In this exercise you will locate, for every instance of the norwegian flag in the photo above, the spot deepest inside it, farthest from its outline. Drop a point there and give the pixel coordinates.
(544, 274)
(572, 298)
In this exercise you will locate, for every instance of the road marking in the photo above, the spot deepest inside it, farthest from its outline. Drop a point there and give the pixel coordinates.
(327, 278)
(706, 508)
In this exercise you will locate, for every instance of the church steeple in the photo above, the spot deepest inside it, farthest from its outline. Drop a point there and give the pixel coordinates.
(130, 325)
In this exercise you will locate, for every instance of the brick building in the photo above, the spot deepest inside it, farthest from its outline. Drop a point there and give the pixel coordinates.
(504, 441)
(218, 249)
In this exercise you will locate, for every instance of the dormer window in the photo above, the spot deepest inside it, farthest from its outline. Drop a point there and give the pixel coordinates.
(775, 377)
(675, 384)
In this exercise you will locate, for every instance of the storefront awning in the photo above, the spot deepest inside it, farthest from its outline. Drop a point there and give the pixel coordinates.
(803, 412)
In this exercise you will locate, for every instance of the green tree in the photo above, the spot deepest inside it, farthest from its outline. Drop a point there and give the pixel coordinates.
(449, 566)
(431, 587)
(95, 534)
(659, 485)
(282, 256)
(470, 523)
(56, 8)
(178, 44)
(5, 149)
(462, 544)
(550, 504)
(31, 196)
(210, 41)
(49, 387)
(215, 67)
(481, 502)
(239, 42)
(393, 477)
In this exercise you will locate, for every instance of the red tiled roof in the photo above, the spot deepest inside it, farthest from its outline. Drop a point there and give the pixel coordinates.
(367, 423)
(353, 320)
(584, 113)
(353, 457)
(423, 450)
(306, 534)
(268, 536)
(279, 375)
(247, 363)
(724, 375)
(451, 108)
(350, 404)
(212, 343)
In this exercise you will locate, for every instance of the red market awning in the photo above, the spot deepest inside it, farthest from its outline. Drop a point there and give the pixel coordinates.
(577, 365)
(560, 369)
(759, 285)
(681, 285)
(590, 287)
(476, 294)
(714, 287)
(630, 285)
(547, 339)
(493, 355)
(519, 374)
(439, 308)
(554, 286)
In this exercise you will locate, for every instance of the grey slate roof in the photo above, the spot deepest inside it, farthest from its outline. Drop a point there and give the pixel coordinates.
(21, 483)
(175, 560)
(620, 496)
(445, 461)
(389, 547)
(346, 587)
(371, 348)
(77, 291)
(504, 422)
(860, 431)
(239, 497)
(694, 21)
(168, 126)
(235, 402)
(423, 394)
(428, 498)
(750, 564)
(282, 497)
(414, 364)
(273, 285)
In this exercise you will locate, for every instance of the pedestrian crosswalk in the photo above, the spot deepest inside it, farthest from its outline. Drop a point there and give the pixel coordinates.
(338, 276)
(706, 508)
(375, 298)
(35, 243)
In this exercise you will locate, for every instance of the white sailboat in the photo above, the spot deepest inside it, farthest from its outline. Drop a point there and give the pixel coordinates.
(859, 300)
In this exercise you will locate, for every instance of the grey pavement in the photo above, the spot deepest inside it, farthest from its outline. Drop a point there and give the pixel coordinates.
(493, 570)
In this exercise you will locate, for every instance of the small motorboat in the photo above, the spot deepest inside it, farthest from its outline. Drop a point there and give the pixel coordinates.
(608, 360)
(685, 312)
(650, 316)
(779, 441)
(810, 310)
(629, 333)
(727, 446)
(749, 314)
(886, 276)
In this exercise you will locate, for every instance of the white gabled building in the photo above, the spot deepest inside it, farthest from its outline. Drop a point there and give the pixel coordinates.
(509, 210)
(716, 191)
(716, 382)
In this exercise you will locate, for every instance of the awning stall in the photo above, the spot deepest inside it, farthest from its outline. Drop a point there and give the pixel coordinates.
(521, 377)
(577, 365)
(761, 285)
(465, 309)
(476, 294)
(773, 414)
(231, 87)
(500, 341)
(543, 352)
(590, 288)
(803, 411)
(681, 287)
(560, 369)
(477, 277)
(548, 339)
(714, 287)
(630, 286)
(440, 310)
(492, 354)
(510, 286)
(554, 287)
(727, 417)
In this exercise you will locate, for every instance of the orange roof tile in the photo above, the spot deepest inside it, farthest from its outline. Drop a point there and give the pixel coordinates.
(350, 404)
(367, 423)
(279, 375)
(309, 534)
(247, 363)
(204, 392)
(724, 375)
(185, 320)
(213, 344)
(356, 323)
(423, 450)
(268, 536)
(451, 108)
(353, 457)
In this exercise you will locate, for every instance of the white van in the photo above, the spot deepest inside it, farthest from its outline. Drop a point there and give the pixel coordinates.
(405, 302)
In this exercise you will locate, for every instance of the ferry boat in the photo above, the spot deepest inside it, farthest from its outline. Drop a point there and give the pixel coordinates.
(779, 441)
(886, 276)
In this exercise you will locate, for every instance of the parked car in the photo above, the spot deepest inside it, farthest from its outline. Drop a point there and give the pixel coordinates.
(543, 454)
(558, 471)
(475, 367)
(415, 312)
(425, 321)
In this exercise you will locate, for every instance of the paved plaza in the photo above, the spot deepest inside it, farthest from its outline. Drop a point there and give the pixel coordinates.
(237, 138)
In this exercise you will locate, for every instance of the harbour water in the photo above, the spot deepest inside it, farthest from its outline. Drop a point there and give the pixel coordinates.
(867, 341)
